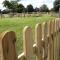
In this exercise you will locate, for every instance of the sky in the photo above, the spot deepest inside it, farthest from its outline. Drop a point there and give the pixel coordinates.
(35, 3)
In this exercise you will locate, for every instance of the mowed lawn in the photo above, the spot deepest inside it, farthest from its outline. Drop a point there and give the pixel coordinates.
(17, 24)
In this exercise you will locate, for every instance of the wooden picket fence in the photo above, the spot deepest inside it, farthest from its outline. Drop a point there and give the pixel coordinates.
(46, 47)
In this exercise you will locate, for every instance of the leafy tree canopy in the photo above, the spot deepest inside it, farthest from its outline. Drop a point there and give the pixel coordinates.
(30, 8)
(56, 5)
(20, 8)
(12, 4)
(36, 9)
(44, 8)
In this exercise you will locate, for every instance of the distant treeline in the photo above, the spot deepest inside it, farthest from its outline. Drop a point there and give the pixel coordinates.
(29, 9)
(15, 7)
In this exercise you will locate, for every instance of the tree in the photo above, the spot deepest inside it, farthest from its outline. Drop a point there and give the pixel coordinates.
(30, 8)
(44, 8)
(0, 11)
(20, 8)
(12, 4)
(36, 9)
(15, 0)
(56, 5)
(7, 4)
(52, 10)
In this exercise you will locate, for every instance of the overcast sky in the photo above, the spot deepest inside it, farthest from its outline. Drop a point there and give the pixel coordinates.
(35, 3)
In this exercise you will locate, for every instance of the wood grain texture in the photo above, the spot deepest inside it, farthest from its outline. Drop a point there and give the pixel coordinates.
(55, 41)
(49, 40)
(28, 43)
(7, 46)
(52, 39)
(44, 37)
(46, 46)
(38, 40)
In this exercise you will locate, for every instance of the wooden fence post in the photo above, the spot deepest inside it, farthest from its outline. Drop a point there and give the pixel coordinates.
(38, 39)
(55, 41)
(7, 46)
(47, 47)
(27, 43)
(49, 40)
(52, 39)
(57, 27)
(58, 36)
(44, 38)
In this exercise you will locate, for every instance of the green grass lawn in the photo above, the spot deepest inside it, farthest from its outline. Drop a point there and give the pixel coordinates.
(17, 24)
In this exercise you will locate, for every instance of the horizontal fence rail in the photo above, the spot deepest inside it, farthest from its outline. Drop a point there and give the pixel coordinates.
(46, 47)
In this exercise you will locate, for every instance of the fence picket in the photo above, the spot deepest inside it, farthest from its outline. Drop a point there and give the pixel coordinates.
(44, 38)
(38, 39)
(7, 46)
(27, 43)
(55, 42)
(49, 40)
(58, 37)
(57, 27)
(46, 46)
(52, 39)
